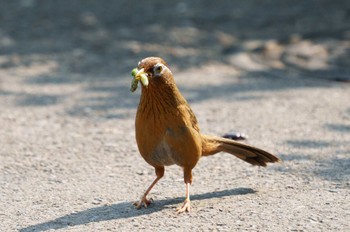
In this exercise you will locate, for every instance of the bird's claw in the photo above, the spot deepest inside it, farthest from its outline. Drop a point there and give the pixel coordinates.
(143, 202)
(186, 207)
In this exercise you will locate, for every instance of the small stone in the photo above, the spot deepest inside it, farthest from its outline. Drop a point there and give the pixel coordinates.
(333, 190)
(97, 201)
(235, 136)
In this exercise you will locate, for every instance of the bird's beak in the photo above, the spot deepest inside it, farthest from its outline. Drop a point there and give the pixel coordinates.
(142, 76)
(139, 75)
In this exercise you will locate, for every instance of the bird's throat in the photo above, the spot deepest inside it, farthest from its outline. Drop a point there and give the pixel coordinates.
(159, 98)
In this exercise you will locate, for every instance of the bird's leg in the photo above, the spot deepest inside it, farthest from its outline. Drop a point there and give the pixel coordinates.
(144, 201)
(186, 206)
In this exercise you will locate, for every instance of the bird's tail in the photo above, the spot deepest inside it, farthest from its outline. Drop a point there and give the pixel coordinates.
(255, 156)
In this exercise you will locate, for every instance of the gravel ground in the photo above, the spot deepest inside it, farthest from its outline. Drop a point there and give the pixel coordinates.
(277, 71)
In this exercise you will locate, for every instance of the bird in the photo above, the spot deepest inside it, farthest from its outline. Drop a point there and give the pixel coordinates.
(167, 131)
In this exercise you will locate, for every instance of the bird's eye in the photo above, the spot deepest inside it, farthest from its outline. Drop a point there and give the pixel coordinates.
(158, 69)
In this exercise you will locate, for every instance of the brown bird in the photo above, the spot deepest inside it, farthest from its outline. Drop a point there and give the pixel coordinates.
(167, 130)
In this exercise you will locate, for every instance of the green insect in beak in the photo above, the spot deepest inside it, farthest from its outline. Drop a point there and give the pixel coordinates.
(139, 75)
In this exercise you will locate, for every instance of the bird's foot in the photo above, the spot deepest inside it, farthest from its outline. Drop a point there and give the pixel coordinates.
(186, 207)
(143, 202)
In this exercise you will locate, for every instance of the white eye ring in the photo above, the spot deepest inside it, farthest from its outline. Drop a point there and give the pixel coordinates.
(158, 69)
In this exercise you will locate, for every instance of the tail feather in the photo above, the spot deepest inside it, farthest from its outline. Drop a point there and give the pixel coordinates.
(255, 156)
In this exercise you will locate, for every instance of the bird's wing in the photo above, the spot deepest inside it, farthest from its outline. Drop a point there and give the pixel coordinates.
(193, 119)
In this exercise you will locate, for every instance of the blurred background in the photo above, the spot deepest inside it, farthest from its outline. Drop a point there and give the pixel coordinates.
(66, 43)
(108, 38)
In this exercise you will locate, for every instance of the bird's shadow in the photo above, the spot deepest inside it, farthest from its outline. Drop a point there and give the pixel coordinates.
(125, 210)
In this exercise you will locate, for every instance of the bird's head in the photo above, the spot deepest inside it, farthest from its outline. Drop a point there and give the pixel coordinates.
(149, 70)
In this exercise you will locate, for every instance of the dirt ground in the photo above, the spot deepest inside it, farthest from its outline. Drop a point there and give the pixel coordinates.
(279, 71)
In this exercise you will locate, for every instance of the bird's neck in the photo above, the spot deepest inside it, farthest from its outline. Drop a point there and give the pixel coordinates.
(162, 97)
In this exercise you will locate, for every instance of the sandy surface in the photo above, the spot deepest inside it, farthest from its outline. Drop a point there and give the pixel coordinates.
(276, 71)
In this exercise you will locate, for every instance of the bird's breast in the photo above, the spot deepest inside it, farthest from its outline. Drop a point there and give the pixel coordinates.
(163, 154)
